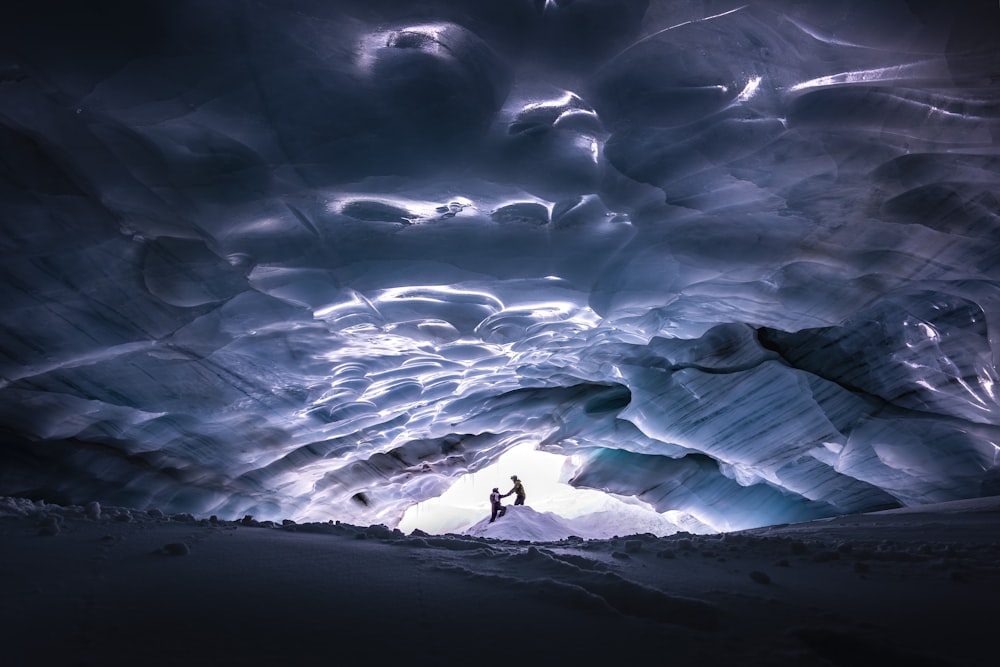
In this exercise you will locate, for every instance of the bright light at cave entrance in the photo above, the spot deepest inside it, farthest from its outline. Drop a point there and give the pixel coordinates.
(467, 501)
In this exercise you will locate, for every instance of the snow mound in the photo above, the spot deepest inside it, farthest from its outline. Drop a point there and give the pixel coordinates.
(524, 523)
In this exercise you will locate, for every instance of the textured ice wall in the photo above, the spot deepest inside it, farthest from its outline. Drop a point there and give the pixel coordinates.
(315, 259)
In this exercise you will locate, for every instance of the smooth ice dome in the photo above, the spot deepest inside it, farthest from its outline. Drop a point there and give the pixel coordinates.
(318, 260)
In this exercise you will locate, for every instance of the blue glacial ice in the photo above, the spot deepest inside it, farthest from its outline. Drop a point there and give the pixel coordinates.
(315, 260)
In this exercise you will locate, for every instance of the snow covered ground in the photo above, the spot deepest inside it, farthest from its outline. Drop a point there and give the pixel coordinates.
(111, 586)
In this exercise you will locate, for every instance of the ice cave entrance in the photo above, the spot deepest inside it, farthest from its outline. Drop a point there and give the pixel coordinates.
(467, 500)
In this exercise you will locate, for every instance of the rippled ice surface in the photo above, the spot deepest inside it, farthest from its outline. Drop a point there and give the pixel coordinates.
(317, 259)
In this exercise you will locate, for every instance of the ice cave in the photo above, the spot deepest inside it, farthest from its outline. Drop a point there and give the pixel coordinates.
(737, 261)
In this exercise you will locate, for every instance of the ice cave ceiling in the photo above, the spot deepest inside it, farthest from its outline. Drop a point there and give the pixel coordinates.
(315, 259)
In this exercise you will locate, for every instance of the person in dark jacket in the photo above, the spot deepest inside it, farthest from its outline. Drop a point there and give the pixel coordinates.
(518, 491)
(497, 508)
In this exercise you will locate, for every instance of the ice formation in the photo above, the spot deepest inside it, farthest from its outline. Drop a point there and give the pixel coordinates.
(317, 259)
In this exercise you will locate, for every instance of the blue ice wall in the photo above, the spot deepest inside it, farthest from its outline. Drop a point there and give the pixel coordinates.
(316, 259)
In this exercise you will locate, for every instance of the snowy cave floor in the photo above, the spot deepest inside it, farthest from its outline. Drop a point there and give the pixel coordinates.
(83, 587)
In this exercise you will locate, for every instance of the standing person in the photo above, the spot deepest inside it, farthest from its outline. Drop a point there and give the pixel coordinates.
(518, 490)
(496, 507)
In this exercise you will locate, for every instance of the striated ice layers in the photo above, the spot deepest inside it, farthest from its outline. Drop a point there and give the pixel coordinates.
(318, 259)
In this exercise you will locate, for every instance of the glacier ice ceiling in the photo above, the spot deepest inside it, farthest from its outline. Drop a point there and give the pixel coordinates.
(317, 259)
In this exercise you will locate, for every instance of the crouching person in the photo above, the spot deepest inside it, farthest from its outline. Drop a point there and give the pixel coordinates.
(497, 509)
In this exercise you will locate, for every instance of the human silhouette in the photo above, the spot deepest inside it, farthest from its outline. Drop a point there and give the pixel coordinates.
(496, 508)
(518, 490)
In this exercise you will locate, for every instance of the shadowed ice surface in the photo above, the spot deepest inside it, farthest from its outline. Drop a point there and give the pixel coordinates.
(319, 259)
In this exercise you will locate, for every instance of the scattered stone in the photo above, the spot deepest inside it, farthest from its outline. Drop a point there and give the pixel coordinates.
(633, 546)
(93, 510)
(175, 549)
(379, 531)
(50, 525)
(620, 555)
(760, 577)
(416, 542)
(666, 553)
